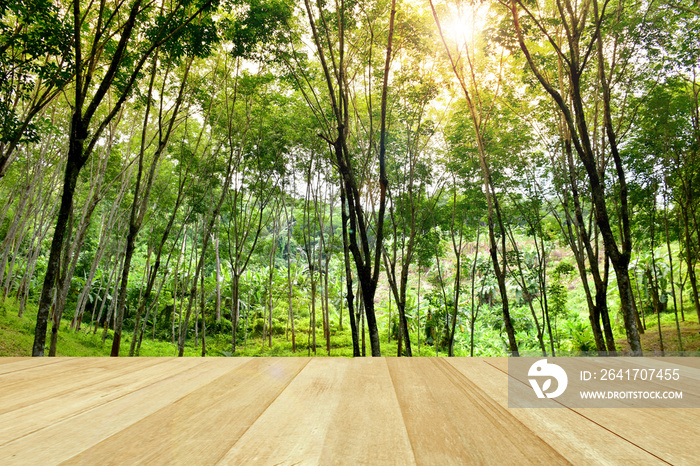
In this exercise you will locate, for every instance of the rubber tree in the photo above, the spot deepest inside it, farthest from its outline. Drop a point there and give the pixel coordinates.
(473, 81)
(582, 45)
(329, 43)
(142, 190)
(94, 79)
(575, 219)
(416, 186)
(668, 129)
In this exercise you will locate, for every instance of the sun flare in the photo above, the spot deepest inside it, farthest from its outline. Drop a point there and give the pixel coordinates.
(465, 23)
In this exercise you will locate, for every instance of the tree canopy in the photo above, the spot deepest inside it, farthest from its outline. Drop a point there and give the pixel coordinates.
(442, 177)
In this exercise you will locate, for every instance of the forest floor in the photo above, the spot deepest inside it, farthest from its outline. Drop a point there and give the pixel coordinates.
(17, 335)
(17, 338)
(690, 334)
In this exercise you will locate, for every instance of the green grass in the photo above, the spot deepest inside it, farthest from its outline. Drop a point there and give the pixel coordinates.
(17, 337)
(690, 332)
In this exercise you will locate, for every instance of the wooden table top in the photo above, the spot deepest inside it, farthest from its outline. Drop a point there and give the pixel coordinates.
(311, 411)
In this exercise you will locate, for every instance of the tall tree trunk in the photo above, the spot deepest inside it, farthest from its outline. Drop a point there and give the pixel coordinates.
(202, 304)
(13, 238)
(652, 275)
(140, 203)
(690, 259)
(235, 308)
(366, 265)
(207, 228)
(349, 296)
(217, 309)
(290, 288)
(474, 311)
(42, 226)
(78, 152)
(457, 248)
(670, 263)
(418, 308)
(273, 251)
(181, 326)
(73, 166)
(526, 294)
(113, 272)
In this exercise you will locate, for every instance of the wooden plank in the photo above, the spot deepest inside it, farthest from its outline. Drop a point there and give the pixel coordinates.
(669, 434)
(366, 426)
(293, 429)
(67, 367)
(574, 437)
(58, 407)
(688, 361)
(59, 442)
(60, 379)
(12, 359)
(318, 411)
(450, 420)
(202, 426)
(26, 363)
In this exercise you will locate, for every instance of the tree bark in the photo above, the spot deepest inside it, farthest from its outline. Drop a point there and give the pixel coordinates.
(576, 122)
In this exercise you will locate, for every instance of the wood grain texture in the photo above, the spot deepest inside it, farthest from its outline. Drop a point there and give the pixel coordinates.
(310, 401)
(311, 411)
(20, 364)
(67, 404)
(54, 443)
(465, 425)
(64, 379)
(579, 441)
(368, 426)
(205, 423)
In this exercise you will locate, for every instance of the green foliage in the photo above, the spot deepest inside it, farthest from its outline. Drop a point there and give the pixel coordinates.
(580, 336)
(34, 38)
(256, 26)
(254, 105)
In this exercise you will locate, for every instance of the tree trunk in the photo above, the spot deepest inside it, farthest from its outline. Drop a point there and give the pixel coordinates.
(273, 251)
(43, 226)
(140, 202)
(577, 125)
(366, 265)
(74, 164)
(349, 296)
(217, 309)
(202, 305)
(290, 288)
(526, 293)
(235, 310)
(494, 213)
(690, 260)
(78, 153)
(670, 263)
(457, 247)
(652, 276)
